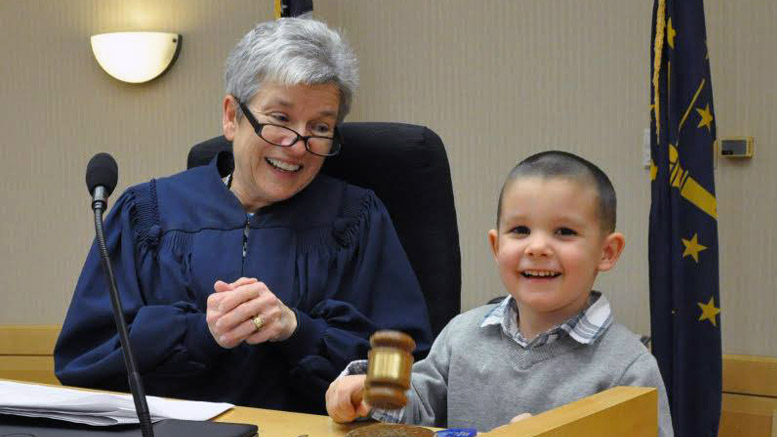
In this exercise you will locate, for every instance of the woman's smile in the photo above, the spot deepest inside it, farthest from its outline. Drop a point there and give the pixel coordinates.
(283, 166)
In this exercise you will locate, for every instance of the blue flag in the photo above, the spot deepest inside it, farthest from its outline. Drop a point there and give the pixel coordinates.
(293, 8)
(683, 254)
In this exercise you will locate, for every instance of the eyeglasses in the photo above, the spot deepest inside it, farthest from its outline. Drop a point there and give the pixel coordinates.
(282, 136)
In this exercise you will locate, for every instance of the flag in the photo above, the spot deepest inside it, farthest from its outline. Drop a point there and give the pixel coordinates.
(293, 8)
(683, 236)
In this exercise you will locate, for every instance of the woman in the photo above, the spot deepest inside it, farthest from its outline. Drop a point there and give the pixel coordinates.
(256, 288)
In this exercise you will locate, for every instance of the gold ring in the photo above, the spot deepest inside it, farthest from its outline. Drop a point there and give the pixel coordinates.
(258, 322)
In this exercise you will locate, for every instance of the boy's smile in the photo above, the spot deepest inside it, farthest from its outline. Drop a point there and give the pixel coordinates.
(550, 246)
(541, 274)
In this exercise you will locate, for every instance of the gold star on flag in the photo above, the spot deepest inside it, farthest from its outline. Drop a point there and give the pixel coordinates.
(670, 32)
(692, 247)
(706, 117)
(709, 311)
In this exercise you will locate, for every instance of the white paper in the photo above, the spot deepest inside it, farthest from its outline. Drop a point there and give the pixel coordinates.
(100, 409)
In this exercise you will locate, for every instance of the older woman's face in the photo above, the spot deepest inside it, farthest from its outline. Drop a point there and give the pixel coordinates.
(264, 173)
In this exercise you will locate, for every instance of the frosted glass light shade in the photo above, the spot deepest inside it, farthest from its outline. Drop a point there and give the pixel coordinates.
(135, 57)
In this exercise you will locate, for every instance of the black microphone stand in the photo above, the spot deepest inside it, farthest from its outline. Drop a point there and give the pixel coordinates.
(167, 427)
(101, 176)
(135, 383)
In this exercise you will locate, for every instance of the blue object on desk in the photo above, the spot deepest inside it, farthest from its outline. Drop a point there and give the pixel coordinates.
(457, 432)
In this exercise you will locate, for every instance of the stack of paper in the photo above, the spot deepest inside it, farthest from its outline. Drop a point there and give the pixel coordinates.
(93, 408)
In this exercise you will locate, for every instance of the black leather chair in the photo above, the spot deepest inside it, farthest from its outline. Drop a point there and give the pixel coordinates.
(407, 167)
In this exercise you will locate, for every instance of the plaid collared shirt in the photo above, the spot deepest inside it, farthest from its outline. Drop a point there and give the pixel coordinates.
(584, 327)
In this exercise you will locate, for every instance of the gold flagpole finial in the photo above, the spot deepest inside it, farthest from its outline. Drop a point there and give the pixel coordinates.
(658, 49)
(278, 9)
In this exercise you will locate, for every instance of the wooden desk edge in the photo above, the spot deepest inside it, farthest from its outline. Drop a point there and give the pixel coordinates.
(604, 414)
(286, 423)
(618, 411)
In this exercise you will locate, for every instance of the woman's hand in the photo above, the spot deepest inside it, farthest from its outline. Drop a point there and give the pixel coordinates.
(236, 309)
(345, 399)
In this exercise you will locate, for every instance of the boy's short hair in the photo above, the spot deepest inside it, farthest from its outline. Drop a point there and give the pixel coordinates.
(558, 164)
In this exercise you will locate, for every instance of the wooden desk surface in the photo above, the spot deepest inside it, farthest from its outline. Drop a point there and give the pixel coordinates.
(615, 412)
(749, 382)
(273, 423)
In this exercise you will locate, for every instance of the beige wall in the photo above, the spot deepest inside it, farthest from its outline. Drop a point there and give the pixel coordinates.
(496, 80)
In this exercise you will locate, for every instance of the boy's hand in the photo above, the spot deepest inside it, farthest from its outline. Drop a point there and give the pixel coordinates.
(517, 418)
(520, 417)
(345, 399)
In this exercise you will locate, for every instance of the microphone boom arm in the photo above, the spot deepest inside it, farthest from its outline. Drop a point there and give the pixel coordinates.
(135, 383)
(101, 176)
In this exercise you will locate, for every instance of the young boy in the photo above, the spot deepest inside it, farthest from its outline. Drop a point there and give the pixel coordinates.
(553, 340)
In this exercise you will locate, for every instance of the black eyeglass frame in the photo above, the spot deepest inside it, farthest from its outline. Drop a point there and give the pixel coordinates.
(337, 139)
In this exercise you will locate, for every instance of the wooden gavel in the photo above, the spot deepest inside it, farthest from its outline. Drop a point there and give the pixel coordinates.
(388, 370)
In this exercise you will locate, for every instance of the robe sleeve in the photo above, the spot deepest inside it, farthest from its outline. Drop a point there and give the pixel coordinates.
(88, 352)
(372, 286)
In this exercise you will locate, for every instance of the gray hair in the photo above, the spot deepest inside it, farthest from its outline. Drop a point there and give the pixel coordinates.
(292, 51)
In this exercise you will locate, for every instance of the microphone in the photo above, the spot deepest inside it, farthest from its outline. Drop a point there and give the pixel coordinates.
(102, 173)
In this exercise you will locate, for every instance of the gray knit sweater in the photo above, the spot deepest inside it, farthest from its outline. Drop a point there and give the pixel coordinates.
(479, 377)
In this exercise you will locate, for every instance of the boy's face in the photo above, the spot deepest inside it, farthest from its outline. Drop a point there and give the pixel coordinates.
(550, 246)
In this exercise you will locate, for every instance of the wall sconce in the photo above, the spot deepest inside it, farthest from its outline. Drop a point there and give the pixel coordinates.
(135, 57)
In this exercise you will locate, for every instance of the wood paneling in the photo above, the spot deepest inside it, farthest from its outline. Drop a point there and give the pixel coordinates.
(747, 416)
(744, 374)
(749, 396)
(28, 339)
(26, 352)
(28, 368)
